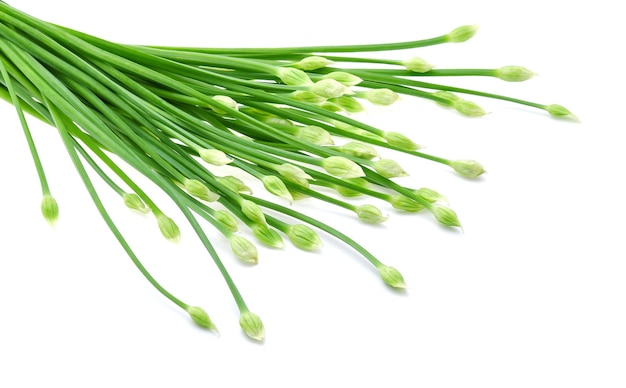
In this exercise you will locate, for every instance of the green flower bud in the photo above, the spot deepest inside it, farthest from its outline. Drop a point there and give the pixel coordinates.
(514, 73)
(201, 318)
(329, 88)
(430, 195)
(298, 195)
(389, 168)
(244, 249)
(268, 236)
(397, 139)
(224, 101)
(252, 325)
(312, 63)
(342, 167)
(227, 219)
(168, 228)
(314, 134)
(276, 121)
(234, 184)
(347, 192)
(276, 186)
(346, 79)
(132, 201)
(467, 168)
(461, 34)
(417, 65)
(406, 204)
(214, 157)
(447, 98)
(293, 174)
(304, 237)
(348, 104)
(559, 111)
(370, 214)
(49, 209)
(345, 127)
(307, 96)
(199, 190)
(293, 77)
(372, 136)
(469, 108)
(445, 215)
(391, 276)
(359, 150)
(253, 212)
(381, 96)
(331, 107)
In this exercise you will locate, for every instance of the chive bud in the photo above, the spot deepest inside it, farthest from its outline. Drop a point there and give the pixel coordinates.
(461, 34)
(381, 96)
(168, 228)
(370, 214)
(397, 139)
(514, 73)
(391, 276)
(201, 318)
(445, 215)
(348, 104)
(329, 88)
(346, 79)
(298, 195)
(197, 189)
(234, 184)
(445, 98)
(342, 167)
(214, 156)
(417, 65)
(268, 236)
(304, 237)
(406, 204)
(49, 209)
(312, 63)
(227, 219)
(389, 168)
(132, 201)
(314, 134)
(276, 121)
(359, 150)
(252, 325)
(558, 111)
(276, 186)
(467, 168)
(253, 212)
(293, 77)
(226, 101)
(430, 195)
(244, 249)
(331, 106)
(469, 108)
(348, 192)
(293, 174)
(307, 96)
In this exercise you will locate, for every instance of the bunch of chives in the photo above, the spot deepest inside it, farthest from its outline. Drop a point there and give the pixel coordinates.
(277, 114)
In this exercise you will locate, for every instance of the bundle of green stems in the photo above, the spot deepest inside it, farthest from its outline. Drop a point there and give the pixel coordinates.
(276, 114)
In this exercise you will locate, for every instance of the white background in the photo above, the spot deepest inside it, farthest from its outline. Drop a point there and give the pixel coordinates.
(532, 293)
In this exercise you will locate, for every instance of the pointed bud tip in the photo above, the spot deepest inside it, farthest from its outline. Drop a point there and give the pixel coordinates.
(168, 228)
(467, 168)
(445, 216)
(461, 34)
(391, 276)
(50, 209)
(201, 318)
(251, 325)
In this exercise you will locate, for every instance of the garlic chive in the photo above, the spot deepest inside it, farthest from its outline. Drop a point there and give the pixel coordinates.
(50, 209)
(391, 276)
(252, 325)
(201, 318)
